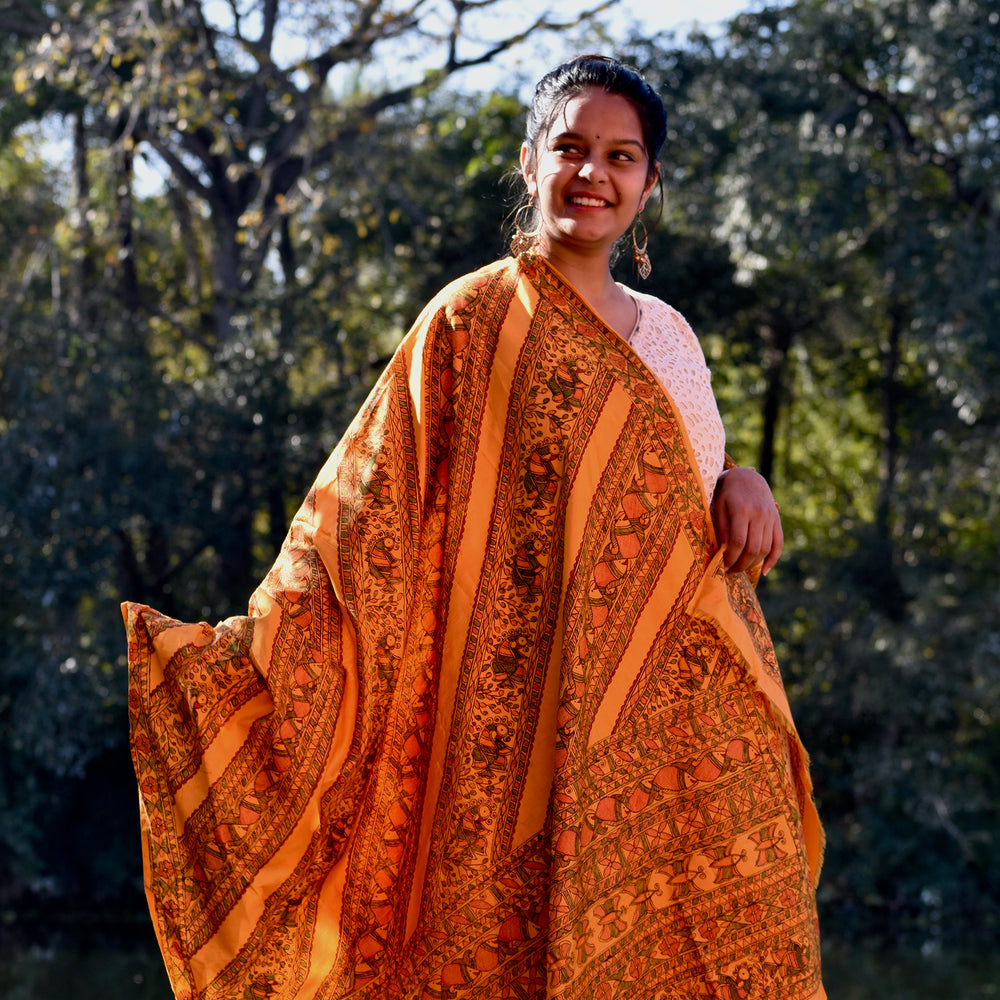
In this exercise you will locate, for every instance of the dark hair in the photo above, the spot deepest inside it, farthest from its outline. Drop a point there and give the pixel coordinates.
(559, 86)
(570, 79)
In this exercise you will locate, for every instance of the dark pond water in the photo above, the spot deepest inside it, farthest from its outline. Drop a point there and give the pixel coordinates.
(133, 972)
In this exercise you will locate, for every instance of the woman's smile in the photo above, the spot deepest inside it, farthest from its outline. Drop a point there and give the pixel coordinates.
(587, 202)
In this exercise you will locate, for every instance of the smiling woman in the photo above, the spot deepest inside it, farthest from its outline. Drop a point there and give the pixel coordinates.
(504, 718)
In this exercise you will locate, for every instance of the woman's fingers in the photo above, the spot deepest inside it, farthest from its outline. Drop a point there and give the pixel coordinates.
(777, 544)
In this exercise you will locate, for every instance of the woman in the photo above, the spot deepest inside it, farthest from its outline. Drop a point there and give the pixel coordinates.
(504, 718)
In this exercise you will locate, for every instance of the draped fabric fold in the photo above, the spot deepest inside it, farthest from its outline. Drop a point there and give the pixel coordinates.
(496, 724)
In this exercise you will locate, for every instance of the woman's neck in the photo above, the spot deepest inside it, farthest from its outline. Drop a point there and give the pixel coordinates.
(589, 274)
(591, 277)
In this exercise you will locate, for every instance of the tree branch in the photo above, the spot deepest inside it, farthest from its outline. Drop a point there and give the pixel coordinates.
(186, 176)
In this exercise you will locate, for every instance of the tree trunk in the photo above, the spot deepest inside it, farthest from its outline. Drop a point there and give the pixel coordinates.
(889, 434)
(779, 340)
(882, 572)
(276, 420)
(227, 282)
(80, 265)
(128, 278)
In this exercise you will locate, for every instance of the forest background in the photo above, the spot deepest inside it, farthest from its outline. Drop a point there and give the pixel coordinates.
(217, 218)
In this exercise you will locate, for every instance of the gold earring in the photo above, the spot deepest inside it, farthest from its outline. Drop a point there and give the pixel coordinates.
(639, 253)
(523, 241)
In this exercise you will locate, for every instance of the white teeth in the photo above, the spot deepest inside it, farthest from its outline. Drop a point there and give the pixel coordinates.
(595, 202)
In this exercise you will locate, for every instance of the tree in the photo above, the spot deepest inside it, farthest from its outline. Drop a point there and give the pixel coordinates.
(236, 102)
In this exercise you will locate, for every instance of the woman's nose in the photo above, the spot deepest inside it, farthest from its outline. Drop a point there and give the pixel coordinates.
(592, 170)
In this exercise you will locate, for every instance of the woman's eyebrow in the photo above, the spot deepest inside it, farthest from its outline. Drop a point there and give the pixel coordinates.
(613, 142)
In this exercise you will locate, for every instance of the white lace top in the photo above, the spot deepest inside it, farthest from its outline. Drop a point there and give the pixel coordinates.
(668, 346)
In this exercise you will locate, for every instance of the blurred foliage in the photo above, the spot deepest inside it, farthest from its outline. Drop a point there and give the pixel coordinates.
(177, 357)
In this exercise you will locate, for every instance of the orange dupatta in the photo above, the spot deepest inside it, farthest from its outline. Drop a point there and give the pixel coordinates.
(497, 724)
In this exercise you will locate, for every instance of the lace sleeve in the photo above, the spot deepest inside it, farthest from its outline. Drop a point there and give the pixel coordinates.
(668, 346)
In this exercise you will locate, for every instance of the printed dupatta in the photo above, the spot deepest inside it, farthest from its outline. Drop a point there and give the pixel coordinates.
(497, 724)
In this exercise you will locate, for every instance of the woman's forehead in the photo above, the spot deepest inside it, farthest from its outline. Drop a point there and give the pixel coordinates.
(596, 109)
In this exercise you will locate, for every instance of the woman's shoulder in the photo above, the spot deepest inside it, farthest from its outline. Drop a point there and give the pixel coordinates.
(660, 316)
(470, 303)
(468, 290)
(653, 303)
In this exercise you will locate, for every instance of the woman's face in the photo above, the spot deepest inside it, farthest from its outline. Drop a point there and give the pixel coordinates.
(590, 174)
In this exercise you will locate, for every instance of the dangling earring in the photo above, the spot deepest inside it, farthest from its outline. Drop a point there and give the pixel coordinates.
(639, 253)
(523, 241)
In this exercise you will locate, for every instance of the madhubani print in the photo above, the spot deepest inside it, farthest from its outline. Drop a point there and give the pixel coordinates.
(700, 757)
(675, 671)
(513, 623)
(206, 683)
(679, 848)
(490, 942)
(275, 961)
(385, 852)
(743, 599)
(262, 791)
(646, 499)
(381, 521)
(668, 860)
